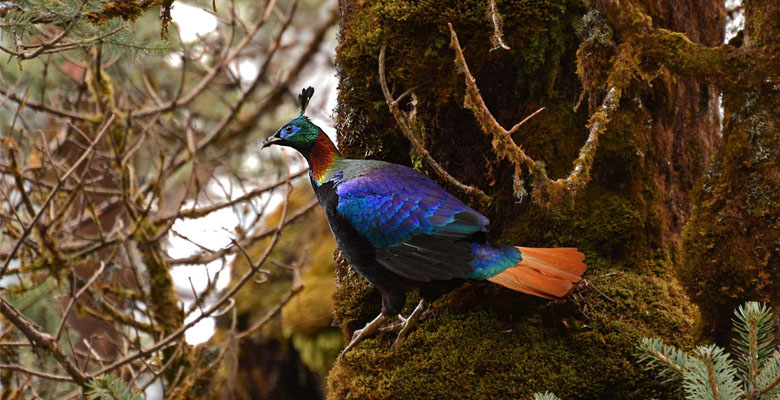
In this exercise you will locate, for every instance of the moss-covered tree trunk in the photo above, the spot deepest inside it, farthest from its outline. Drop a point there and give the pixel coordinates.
(731, 247)
(482, 341)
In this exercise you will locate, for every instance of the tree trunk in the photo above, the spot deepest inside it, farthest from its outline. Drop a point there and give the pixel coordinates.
(482, 341)
(731, 248)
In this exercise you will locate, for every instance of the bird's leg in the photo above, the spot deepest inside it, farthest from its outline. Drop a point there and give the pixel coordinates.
(407, 324)
(368, 331)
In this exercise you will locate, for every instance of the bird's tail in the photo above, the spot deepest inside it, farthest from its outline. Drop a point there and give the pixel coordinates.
(550, 273)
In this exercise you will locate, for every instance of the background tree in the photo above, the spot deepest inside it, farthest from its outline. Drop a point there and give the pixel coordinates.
(112, 138)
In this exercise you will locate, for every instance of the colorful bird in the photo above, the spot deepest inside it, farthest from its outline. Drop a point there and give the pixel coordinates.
(401, 231)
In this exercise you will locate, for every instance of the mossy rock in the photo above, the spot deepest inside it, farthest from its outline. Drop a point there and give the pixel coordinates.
(482, 342)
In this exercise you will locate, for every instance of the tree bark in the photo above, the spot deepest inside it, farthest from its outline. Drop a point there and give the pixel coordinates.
(482, 341)
(731, 248)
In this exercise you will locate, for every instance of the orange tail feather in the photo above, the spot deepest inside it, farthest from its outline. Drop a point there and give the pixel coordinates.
(547, 273)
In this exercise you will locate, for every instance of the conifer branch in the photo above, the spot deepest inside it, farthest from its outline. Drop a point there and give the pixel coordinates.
(545, 396)
(110, 387)
(709, 372)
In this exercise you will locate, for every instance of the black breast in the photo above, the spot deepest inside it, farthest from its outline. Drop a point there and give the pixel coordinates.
(356, 247)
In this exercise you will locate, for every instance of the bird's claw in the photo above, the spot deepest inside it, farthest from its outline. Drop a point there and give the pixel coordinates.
(404, 326)
(368, 331)
(395, 326)
(407, 324)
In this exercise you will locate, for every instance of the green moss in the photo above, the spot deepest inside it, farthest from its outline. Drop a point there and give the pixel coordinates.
(518, 345)
(126, 10)
(163, 300)
(541, 32)
(731, 247)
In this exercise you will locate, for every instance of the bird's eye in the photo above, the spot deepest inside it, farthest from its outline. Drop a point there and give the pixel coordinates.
(288, 128)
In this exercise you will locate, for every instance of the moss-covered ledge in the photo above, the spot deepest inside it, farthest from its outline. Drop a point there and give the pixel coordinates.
(483, 342)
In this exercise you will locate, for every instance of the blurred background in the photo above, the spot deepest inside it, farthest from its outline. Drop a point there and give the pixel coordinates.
(140, 224)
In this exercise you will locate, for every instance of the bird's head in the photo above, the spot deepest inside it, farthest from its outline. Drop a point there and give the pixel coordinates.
(299, 133)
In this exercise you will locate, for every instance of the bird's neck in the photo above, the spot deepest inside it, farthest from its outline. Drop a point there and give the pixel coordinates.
(322, 156)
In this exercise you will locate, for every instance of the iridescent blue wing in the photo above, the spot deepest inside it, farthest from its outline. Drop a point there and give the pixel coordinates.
(420, 231)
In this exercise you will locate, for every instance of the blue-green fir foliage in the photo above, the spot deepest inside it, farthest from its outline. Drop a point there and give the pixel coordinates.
(109, 387)
(710, 373)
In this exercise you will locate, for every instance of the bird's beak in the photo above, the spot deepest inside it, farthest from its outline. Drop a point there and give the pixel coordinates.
(273, 139)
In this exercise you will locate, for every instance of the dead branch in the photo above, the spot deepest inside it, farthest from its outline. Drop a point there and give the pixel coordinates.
(44, 375)
(78, 294)
(218, 305)
(506, 148)
(41, 340)
(498, 34)
(407, 124)
(106, 173)
(52, 193)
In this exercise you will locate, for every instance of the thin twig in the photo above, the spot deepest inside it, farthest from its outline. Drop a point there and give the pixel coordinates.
(498, 35)
(200, 212)
(218, 305)
(271, 313)
(41, 340)
(74, 298)
(40, 374)
(52, 193)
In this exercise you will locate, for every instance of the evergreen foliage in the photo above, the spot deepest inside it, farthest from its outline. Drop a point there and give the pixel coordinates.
(115, 36)
(109, 387)
(545, 396)
(709, 372)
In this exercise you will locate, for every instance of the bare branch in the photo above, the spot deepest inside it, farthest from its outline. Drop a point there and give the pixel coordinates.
(40, 374)
(408, 128)
(199, 212)
(505, 146)
(498, 35)
(53, 192)
(41, 340)
(271, 313)
(218, 305)
(76, 297)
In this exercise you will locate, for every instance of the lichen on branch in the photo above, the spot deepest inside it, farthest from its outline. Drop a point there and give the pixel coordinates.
(406, 121)
(725, 66)
(506, 148)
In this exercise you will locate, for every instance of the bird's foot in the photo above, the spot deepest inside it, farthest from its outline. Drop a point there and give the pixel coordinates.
(407, 324)
(368, 331)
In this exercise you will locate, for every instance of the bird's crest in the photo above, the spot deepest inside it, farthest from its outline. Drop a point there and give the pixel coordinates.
(304, 98)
